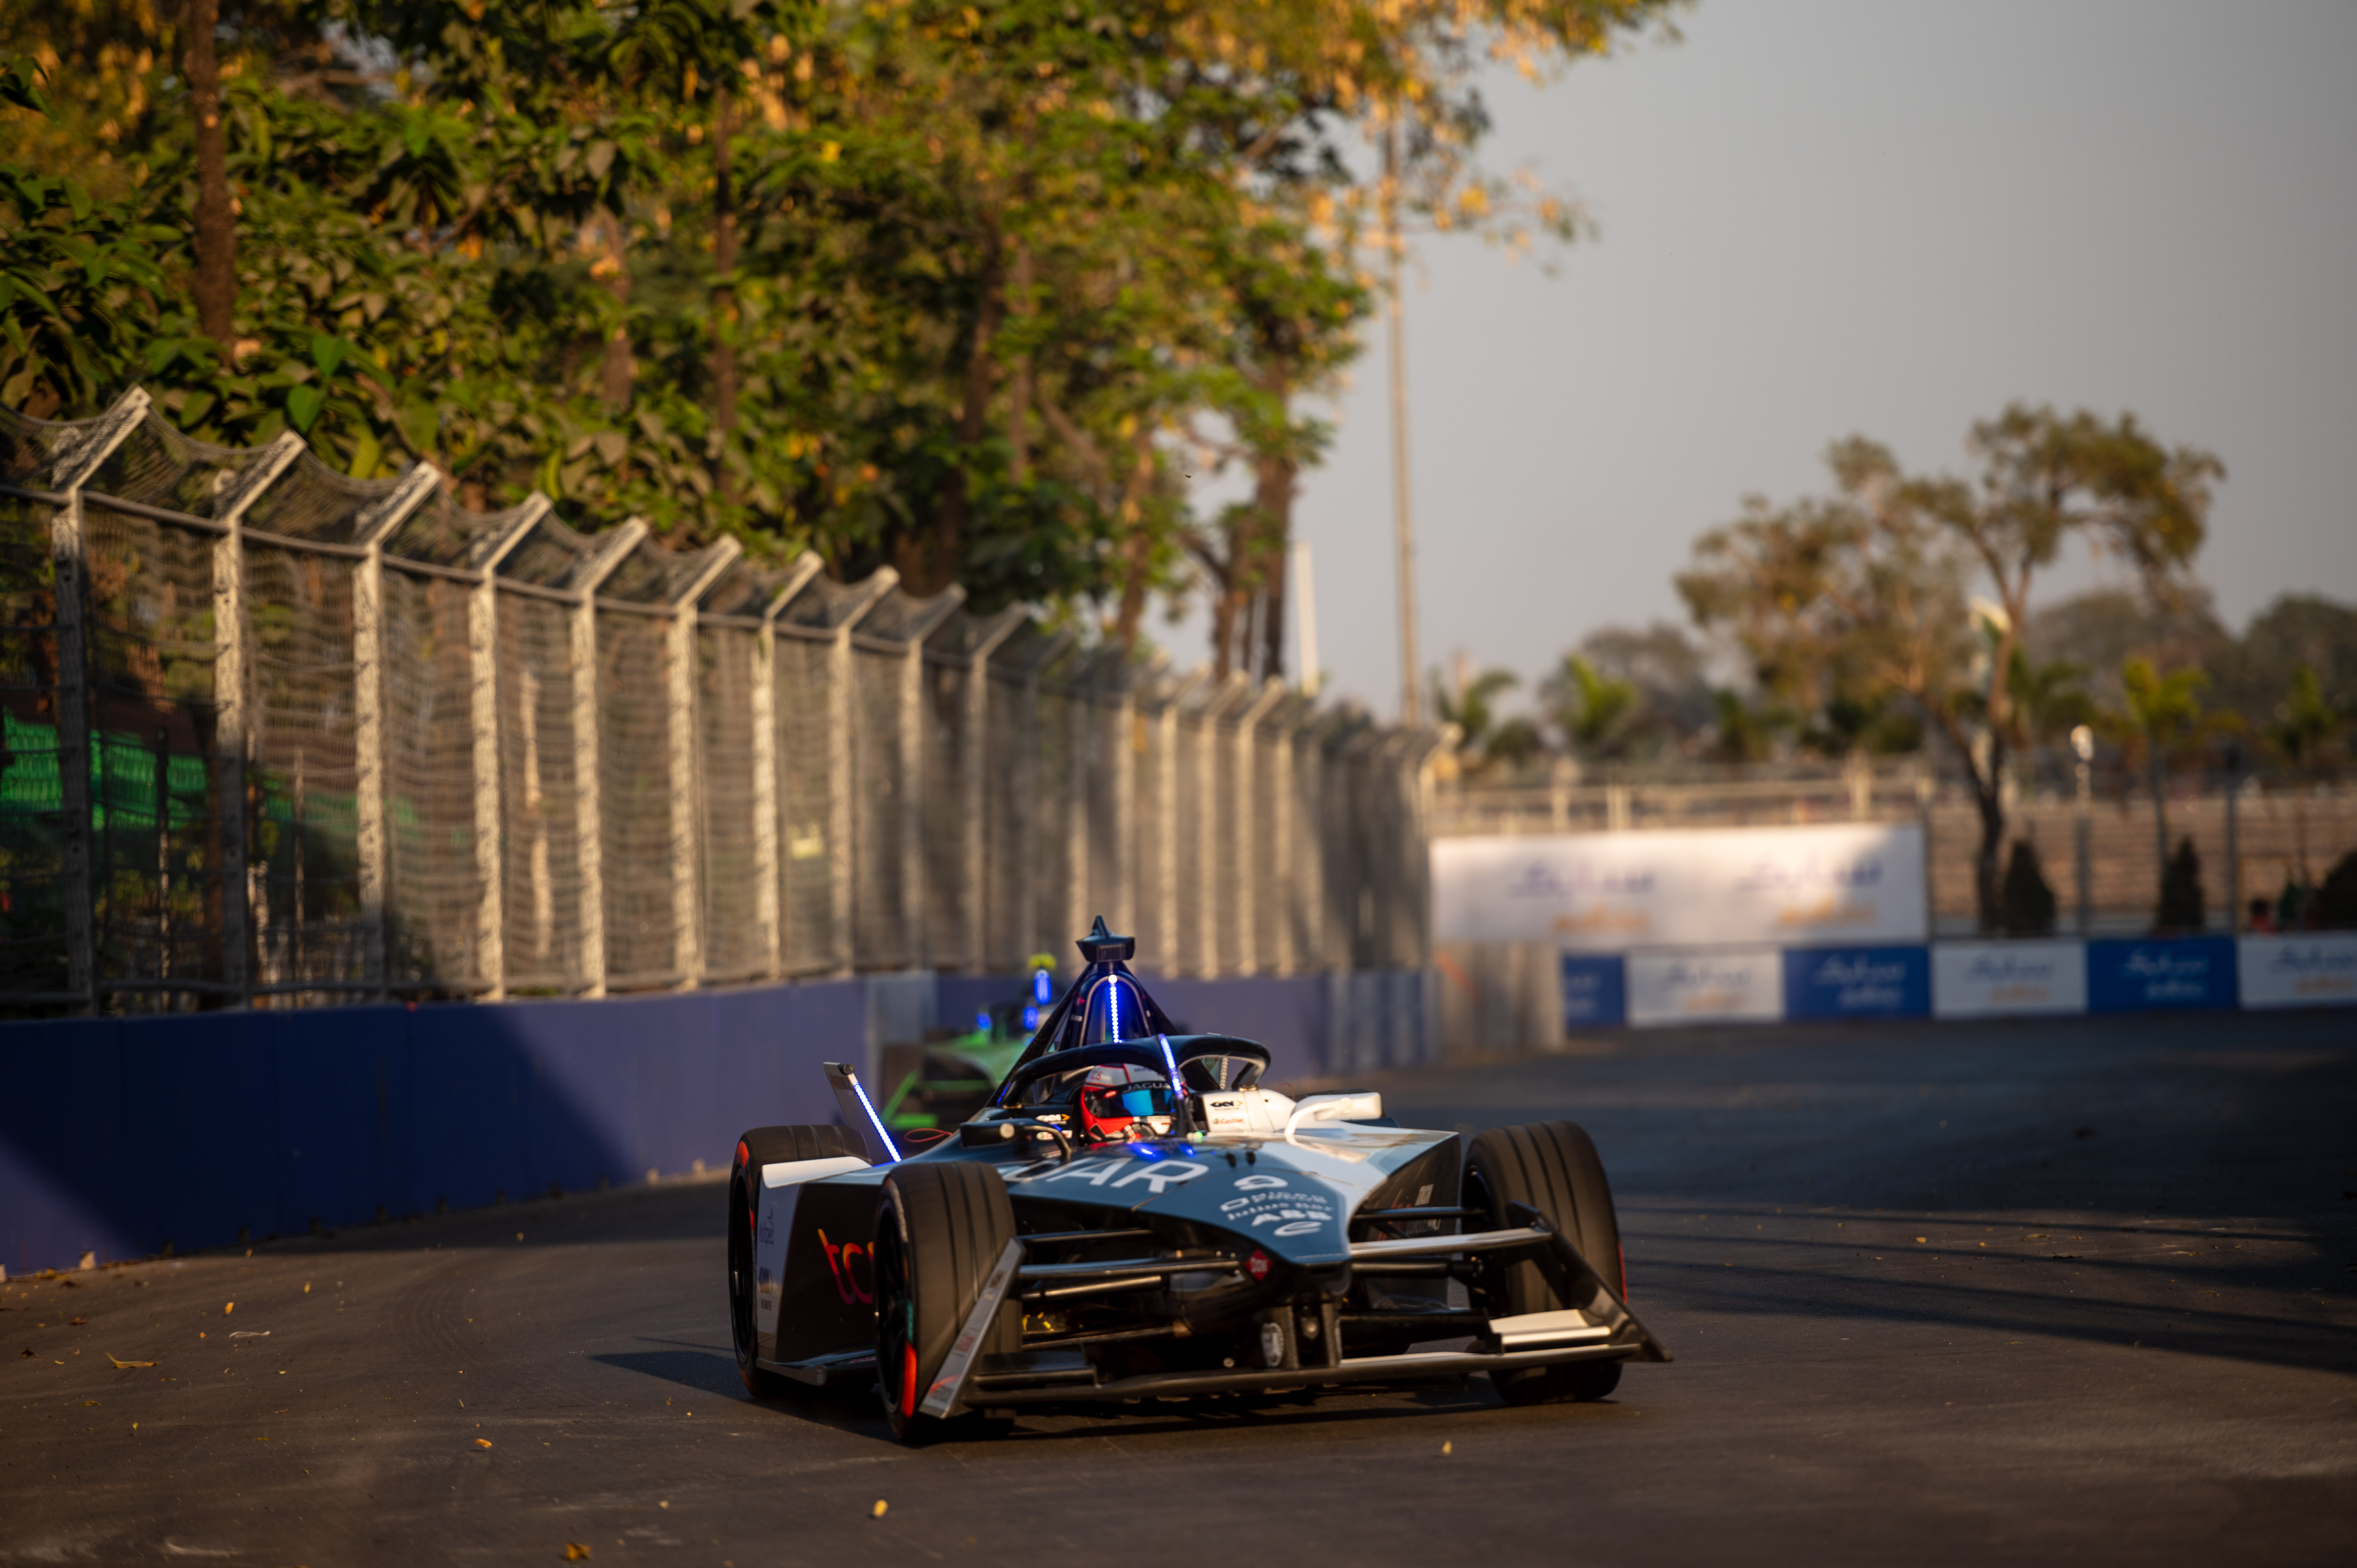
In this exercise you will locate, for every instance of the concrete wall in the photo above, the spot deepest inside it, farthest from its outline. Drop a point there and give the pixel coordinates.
(118, 1136)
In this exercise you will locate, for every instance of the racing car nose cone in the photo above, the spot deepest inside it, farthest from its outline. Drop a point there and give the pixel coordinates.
(1101, 944)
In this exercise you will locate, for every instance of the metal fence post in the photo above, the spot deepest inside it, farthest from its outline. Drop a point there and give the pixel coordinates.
(1121, 843)
(1165, 822)
(371, 848)
(1924, 789)
(69, 547)
(483, 713)
(840, 773)
(686, 796)
(2234, 860)
(973, 787)
(1284, 852)
(1080, 712)
(767, 792)
(230, 696)
(1210, 832)
(589, 823)
(1245, 917)
(1025, 850)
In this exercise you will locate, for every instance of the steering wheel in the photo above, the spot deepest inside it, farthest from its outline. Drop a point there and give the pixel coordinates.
(1187, 1049)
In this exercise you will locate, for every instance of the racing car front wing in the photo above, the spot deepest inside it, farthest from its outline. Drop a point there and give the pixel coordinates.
(1604, 1329)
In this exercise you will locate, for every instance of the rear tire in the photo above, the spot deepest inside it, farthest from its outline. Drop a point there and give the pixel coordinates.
(1553, 1167)
(939, 1228)
(763, 1146)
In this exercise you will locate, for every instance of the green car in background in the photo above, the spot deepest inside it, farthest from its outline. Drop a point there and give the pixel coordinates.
(941, 1082)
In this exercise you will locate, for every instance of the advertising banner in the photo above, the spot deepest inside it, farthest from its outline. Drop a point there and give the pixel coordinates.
(1854, 883)
(1857, 983)
(1595, 991)
(1989, 979)
(2165, 973)
(1726, 984)
(2316, 971)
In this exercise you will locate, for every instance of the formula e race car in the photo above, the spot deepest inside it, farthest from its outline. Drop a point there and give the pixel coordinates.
(1132, 1215)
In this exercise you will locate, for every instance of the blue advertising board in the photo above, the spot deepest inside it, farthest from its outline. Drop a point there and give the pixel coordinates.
(2164, 972)
(1857, 983)
(1595, 991)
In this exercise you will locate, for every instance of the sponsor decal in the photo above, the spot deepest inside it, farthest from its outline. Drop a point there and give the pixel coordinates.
(2299, 970)
(1852, 983)
(1115, 1174)
(1973, 980)
(1595, 991)
(847, 1283)
(1686, 988)
(2137, 976)
(1269, 1202)
(768, 1225)
(1257, 1265)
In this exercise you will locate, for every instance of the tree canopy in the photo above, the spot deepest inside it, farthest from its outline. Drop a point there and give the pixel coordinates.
(1844, 603)
(970, 289)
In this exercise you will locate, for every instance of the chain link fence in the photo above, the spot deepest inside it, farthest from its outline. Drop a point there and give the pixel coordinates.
(278, 737)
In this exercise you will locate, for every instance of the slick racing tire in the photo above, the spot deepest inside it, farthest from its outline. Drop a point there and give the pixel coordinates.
(1553, 1167)
(939, 1228)
(764, 1146)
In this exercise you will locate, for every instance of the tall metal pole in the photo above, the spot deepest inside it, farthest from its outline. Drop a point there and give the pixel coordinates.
(2082, 742)
(1411, 707)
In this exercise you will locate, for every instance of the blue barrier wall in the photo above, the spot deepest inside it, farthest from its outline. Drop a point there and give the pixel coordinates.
(120, 1136)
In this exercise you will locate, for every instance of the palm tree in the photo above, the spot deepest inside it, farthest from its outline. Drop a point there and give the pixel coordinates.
(2163, 716)
(2303, 727)
(1592, 709)
(1472, 708)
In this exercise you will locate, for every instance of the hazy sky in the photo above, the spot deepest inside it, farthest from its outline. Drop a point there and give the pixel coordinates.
(1822, 216)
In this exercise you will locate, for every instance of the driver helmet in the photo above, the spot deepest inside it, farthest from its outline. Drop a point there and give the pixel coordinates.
(1121, 1103)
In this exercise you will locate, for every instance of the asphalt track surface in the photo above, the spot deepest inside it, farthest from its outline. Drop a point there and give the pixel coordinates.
(2067, 1292)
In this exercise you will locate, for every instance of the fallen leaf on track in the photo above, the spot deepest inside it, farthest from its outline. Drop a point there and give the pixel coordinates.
(483, 1443)
(879, 1511)
(576, 1552)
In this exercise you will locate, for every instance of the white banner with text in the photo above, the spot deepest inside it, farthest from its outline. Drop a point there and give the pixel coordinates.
(1848, 884)
(1723, 985)
(2299, 970)
(1993, 979)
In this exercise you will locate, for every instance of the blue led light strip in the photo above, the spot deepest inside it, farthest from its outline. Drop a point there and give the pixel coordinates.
(1171, 1056)
(868, 1105)
(1113, 1007)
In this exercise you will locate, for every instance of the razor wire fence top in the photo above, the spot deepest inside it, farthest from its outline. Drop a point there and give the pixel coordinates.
(277, 737)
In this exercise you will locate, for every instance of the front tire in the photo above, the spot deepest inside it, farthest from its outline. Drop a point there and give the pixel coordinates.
(1553, 1167)
(763, 1146)
(939, 1228)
